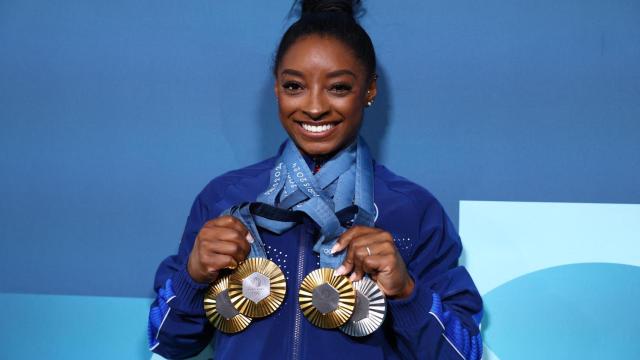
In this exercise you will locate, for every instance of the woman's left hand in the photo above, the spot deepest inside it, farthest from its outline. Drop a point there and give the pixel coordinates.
(372, 251)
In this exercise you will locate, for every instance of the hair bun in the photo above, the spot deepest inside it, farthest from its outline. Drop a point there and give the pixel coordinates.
(317, 6)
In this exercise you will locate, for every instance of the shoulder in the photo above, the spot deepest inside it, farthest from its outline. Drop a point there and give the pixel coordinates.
(389, 185)
(236, 186)
(242, 176)
(407, 210)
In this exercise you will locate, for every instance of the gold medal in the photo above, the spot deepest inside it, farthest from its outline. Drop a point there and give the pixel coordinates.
(220, 311)
(257, 287)
(326, 300)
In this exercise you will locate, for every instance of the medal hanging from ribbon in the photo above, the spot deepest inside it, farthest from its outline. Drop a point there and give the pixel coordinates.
(256, 288)
(327, 300)
(221, 313)
(342, 189)
(344, 184)
(370, 310)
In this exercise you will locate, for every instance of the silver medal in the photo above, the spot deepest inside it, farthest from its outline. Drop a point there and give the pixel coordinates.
(370, 310)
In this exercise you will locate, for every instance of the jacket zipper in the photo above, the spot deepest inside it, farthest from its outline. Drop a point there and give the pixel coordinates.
(297, 328)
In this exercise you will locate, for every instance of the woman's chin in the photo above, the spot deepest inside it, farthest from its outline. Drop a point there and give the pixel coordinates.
(322, 146)
(318, 149)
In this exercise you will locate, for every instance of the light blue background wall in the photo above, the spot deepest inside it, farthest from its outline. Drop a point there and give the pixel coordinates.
(558, 280)
(113, 115)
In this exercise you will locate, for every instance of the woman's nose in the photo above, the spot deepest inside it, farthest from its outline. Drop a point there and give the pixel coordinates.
(316, 106)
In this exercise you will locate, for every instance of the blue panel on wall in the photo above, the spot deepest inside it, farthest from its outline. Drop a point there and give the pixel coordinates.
(114, 115)
(73, 327)
(579, 311)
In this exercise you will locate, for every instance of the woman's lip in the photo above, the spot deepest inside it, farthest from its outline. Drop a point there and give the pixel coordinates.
(317, 134)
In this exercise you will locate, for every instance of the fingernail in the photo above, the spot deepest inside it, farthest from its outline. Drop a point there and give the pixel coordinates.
(340, 270)
(249, 238)
(352, 278)
(335, 248)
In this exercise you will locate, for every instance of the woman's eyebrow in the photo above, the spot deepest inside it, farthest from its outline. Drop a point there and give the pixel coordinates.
(341, 72)
(292, 72)
(331, 74)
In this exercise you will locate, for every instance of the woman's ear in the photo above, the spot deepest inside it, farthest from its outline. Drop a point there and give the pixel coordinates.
(372, 90)
(275, 89)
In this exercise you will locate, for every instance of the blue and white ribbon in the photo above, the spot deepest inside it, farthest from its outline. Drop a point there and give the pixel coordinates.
(345, 181)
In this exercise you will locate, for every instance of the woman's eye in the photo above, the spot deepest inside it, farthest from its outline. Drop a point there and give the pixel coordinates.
(341, 89)
(292, 87)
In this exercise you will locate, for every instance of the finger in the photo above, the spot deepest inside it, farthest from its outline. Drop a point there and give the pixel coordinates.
(231, 248)
(365, 247)
(345, 239)
(360, 252)
(378, 247)
(357, 274)
(218, 262)
(235, 223)
(390, 273)
(231, 222)
(218, 233)
(376, 243)
(355, 259)
(346, 266)
(376, 263)
(351, 260)
(228, 234)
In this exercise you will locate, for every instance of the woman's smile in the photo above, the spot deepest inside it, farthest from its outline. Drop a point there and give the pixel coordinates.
(318, 130)
(322, 90)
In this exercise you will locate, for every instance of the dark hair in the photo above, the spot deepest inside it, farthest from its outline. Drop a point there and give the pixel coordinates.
(333, 18)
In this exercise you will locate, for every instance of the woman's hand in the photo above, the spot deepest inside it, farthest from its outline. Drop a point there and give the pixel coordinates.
(220, 244)
(372, 251)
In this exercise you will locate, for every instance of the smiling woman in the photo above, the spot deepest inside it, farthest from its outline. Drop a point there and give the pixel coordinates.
(325, 206)
(322, 90)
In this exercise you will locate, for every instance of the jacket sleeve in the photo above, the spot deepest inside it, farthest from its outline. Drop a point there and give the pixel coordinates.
(441, 318)
(178, 327)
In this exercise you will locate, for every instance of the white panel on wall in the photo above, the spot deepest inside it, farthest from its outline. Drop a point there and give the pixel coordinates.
(504, 240)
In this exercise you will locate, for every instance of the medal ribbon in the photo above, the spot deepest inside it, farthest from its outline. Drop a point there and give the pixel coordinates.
(343, 183)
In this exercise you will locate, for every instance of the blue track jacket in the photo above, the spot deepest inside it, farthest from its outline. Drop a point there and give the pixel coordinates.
(440, 320)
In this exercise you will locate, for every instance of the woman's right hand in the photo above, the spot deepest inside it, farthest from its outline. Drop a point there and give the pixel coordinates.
(220, 244)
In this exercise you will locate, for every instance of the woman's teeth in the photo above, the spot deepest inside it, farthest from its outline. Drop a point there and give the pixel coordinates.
(317, 128)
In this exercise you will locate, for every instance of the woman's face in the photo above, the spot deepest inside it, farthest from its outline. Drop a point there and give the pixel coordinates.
(322, 90)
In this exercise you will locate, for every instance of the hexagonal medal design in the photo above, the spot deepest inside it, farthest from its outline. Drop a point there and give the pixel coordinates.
(325, 298)
(361, 311)
(256, 287)
(224, 306)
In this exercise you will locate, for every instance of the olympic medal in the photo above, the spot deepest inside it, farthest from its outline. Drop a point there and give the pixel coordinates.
(220, 312)
(370, 310)
(326, 300)
(257, 287)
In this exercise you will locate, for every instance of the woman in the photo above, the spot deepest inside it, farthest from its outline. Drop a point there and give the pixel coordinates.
(324, 78)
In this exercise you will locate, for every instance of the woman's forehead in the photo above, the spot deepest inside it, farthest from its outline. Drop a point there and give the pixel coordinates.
(317, 53)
